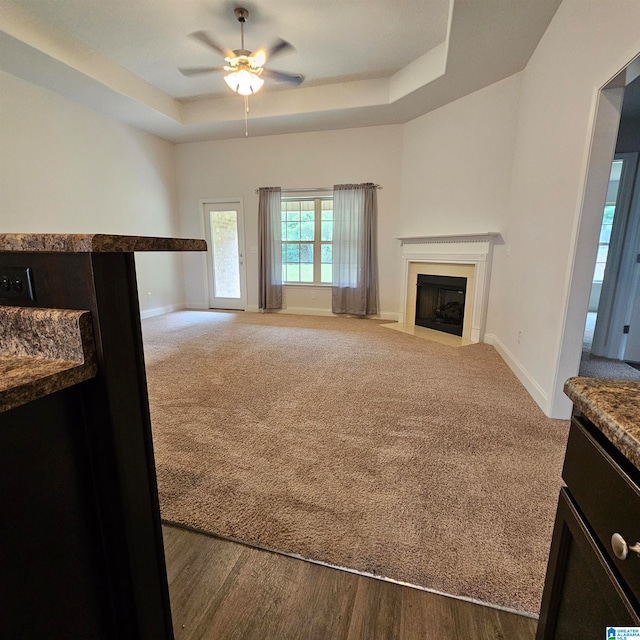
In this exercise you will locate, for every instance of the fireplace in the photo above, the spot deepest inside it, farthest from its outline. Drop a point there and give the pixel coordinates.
(440, 303)
(458, 256)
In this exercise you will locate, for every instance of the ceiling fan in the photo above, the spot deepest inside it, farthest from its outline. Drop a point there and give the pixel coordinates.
(245, 69)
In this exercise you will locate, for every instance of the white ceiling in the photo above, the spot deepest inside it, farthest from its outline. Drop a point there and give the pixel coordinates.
(366, 62)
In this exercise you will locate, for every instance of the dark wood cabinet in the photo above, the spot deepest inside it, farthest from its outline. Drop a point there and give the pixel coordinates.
(54, 578)
(81, 550)
(587, 587)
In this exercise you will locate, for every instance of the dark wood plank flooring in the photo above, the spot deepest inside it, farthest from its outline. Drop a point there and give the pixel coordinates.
(227, 591)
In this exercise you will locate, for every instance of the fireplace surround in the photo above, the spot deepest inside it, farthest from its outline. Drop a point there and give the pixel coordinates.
(465, 255)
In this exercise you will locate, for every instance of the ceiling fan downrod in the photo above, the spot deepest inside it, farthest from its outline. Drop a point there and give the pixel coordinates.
(242, 15)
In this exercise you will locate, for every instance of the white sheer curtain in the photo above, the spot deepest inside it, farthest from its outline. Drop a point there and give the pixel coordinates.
(355, 252)
(270, 248)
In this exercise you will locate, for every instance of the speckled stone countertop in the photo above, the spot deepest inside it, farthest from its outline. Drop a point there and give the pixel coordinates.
(43, 351)
(94, 243)
(614, 407)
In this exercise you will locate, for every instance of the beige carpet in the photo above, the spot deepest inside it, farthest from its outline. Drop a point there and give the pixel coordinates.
(344, 442)
(596, 367)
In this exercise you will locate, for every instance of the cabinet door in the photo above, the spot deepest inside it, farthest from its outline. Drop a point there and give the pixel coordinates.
(582, 594)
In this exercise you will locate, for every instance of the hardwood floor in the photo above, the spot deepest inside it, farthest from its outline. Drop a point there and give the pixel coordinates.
(223, 590)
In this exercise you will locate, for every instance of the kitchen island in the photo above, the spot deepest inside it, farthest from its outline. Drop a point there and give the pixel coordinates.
(593, 576)
(81, 553)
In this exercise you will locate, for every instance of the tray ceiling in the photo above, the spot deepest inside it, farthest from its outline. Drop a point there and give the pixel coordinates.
(366, 62)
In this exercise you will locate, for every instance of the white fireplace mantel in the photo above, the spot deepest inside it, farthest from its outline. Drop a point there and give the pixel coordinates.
(490, 236)
(473, 249)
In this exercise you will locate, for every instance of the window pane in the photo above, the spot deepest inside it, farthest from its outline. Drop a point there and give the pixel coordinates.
(306, 253)
(603, 250)
(598, 273)
(293, 273)
(306, 273)
(293, 231)
(301, 262)
(224, 249)
(307, 230)
(609, 212)
(605, 233)
(293, 253)
(291, 205)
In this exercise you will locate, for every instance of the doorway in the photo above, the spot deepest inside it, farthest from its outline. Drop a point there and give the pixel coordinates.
(614, 288)
(606, 123)
(615, 282)
(224, 229)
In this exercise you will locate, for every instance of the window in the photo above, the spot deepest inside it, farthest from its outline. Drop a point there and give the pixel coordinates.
(607, 220)
(307, 237)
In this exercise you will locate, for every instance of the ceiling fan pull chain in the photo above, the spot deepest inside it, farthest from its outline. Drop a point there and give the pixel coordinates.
(246, 116)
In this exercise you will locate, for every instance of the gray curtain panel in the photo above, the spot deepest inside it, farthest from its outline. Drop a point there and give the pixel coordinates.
(270, 248)
(355, 251)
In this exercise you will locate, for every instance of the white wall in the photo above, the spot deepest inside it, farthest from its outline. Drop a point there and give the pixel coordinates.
(456, 164)
(235, 168)
(67, 169)
(585, 45)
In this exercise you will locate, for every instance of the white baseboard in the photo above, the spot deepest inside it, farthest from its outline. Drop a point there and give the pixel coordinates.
(196, 306)
(530, 384)
(252, 308)
(158, 311)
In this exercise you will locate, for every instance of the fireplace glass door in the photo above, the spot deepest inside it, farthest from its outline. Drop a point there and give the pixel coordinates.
(440, 303)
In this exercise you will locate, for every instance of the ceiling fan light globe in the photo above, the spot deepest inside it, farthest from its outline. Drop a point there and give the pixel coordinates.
(244, 82)
(258, 58)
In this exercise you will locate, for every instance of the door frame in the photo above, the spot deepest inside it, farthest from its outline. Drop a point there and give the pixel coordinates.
(237, 204)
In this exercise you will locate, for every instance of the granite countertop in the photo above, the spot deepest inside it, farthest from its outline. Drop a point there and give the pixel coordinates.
(43, 351)
(614, 407)
(94, 243)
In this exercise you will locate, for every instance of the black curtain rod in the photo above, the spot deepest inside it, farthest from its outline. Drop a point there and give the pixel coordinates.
(314, 189)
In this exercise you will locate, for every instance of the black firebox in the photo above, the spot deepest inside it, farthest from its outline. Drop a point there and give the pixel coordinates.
(440, 303)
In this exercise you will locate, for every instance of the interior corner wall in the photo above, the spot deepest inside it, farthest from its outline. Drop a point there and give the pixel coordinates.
(235, 168)
(67, 169)
(456, 164)
(539, 302)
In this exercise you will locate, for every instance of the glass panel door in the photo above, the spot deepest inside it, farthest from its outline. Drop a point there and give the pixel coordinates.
(225, 255)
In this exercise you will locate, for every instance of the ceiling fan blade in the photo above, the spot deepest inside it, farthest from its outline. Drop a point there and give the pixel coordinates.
(281, 76)
(196, 71)
(208, 41)
(278, 47)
